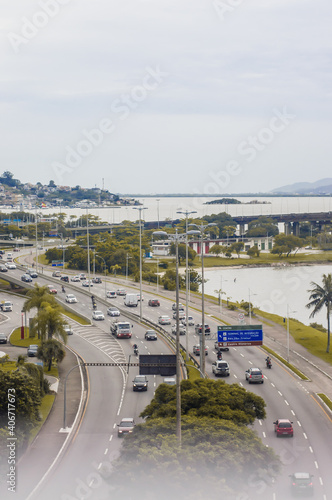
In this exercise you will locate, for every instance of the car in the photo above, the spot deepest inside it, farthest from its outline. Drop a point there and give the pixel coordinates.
(126, 426)
(301, 484)
(67, 329)
(169, 381)
(182, 329)
(150, 335)
(96, 280)
(198, 328)
(51, 289)
(220, 368)
(219, 347)
(75, 279)
(154, 303)
(6, 306)
(26, 277)
(3, 268)
(182, 315)
(181, 307)
(82, 276)
(191, 321)
(254, 376)
(139, 297)
(197, 350)
(121, 291)
(140, 383)
(2, 252)
(10, 265)
(32, 273)
(164, 320)
(32, 350)
(3, 338)
(56, 274)
(16, 249)
(111, 295)
(71, 299)
(86, 283)
(98, 315)
(65, 278)
(113, 311)
(283, 427)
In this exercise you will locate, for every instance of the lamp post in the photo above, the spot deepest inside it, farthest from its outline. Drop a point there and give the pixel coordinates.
(63, 252)
(200, 231)
(220, 294)
(178, 363)
(186, 213)
(140, 209)
(88, 245)
(127, 258)
(36, 239)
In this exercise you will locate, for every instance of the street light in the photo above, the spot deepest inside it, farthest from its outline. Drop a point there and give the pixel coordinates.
(127, 258)
(140, 209)
(220, 294)
(36, 239)
(186, 213)
(200, 231)
(63, 252)
(88, 245)
(178, 363)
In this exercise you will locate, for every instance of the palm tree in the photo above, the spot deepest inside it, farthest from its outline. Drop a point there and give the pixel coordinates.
(36, 297)
(49, 350)
(321, 295)
(50, 322)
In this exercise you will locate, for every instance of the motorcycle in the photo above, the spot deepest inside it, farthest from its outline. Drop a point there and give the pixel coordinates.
(63, 289)
(268, 363)
(136, 351)
(94, 306)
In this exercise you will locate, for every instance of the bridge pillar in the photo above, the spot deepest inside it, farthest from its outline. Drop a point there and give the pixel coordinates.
(288, 228)
(242, 229)
(296, 228)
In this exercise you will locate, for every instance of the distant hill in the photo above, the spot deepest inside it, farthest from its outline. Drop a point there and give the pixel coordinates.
(323, 186)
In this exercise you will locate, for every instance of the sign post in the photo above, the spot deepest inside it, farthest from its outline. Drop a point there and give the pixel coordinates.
(240, 335)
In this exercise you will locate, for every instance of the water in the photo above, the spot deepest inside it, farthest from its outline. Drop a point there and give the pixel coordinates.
(271, 289)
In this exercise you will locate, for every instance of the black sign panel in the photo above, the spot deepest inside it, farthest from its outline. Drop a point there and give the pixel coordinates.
(157, 364)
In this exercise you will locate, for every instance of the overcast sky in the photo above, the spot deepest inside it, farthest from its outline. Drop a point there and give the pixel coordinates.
(166, 96)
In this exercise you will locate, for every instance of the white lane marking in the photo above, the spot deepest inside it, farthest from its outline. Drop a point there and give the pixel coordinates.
(272, 384)
(299, 423)
(241, 384)
(264, 435)
(99, 466)
(305, 436)
(311, 450)
(280, 393)
(321, 482)
(250, 363)
(111, 437)
(114, 425)
(242, 355)
(260, 422)
(316, 464)
(106, 451)
(235, 376)
(293, 412)
(286, 402)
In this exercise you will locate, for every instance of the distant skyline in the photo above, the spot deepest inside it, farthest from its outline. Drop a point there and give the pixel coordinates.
(199, 97)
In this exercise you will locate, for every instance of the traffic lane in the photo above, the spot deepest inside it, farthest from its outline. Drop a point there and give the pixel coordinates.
(93, 443)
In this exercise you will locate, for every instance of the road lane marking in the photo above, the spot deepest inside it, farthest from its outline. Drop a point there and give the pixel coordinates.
(316, 464)
(286, 402)
(106, 451)
(305, 436)
(311, 450)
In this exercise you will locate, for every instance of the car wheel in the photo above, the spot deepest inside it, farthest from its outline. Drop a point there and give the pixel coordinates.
(262, 382)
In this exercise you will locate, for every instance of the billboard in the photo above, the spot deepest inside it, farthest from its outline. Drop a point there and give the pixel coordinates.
(240, 335)
(157, 364)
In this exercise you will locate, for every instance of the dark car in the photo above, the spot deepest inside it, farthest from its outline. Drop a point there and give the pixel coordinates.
(198, 328)
(26, 277)
(283, 427)
(65, 278)
(3, 338)
(140, 383)
(154, 303)
(32, 350)
(150, 335)
(301, 484)
(96, 280)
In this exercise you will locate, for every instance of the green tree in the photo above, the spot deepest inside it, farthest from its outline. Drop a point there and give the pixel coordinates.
(262, 226)
(49, 351)
(182, 252)
(36, 297)
(237, 247)
(50, 322)
(253, 251)
(320, 296)
(285, 244)
(217, 249)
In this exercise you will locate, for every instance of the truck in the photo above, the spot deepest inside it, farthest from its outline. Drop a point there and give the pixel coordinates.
(131, 300)
(6, 306)
(121, 329)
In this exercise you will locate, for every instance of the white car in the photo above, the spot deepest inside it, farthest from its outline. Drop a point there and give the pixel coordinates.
(98, 315)
(10, 265)
(113, 311)
(182, 329)
(164, 320)
(111, 295)
(191, 321)
(75, 279)
(86, 283)
(71, 299)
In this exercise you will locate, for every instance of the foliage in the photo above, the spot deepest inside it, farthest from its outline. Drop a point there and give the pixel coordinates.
(182, 252)
(285, 244)
(247, 307)
(169, 280)
(207, 398)
(224, 222)
(217, 249)
(253, 251)
(237, 247)
(320, 296)
(319, 327)
(50, 322)
(263, 226)
(49, 351)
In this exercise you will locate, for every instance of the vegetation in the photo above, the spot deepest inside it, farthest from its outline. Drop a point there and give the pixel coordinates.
(320, 296)
(263, 226)
(218, 450)
(285, 244)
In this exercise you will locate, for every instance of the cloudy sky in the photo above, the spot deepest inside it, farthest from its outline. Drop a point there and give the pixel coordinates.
(166, 96)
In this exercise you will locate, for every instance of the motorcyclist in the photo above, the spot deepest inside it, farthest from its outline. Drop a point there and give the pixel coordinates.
(219, 355)
(63, 289)
(268, 361)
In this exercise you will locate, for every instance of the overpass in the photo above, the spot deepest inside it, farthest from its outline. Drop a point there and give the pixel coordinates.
(291, 221)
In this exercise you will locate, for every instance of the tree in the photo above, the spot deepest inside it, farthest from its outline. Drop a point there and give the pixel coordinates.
(237, 247)
(49, 351)
(253, 251)
(182, 252)
(37, 296)
(286, 244)
(216, 249)
(263, 226)
(50, 322)
(321, 295)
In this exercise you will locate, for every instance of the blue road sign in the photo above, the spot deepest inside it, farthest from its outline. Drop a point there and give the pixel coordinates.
(240, 335)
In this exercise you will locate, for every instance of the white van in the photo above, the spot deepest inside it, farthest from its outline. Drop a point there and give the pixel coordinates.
(131, 300)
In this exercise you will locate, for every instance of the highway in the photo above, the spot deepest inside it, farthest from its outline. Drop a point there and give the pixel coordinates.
(111, 398)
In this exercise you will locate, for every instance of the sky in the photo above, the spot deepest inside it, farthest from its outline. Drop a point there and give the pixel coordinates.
(165, 96)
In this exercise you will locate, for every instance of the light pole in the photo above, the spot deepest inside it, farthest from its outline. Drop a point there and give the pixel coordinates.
(36, 240)
(96, 254)
(127, 258)
(63, 253)
(186, 213)
(140, 209)
(200, 231)
(178, 363)
(88, 245)
(220, 294)
(250, 305)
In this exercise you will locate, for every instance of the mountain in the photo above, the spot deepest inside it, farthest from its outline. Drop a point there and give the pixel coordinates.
(323, 186)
